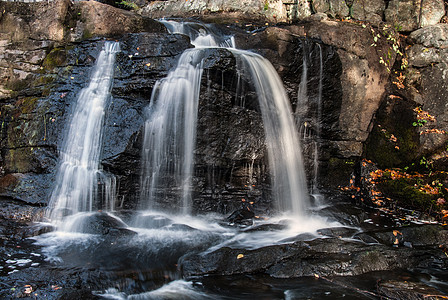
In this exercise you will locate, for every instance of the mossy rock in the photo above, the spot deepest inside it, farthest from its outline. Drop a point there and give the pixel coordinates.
(337, 171)
(404, 190)
(393, 141)
(57, 57)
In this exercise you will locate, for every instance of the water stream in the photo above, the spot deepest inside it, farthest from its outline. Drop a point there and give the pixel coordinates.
(81, 185)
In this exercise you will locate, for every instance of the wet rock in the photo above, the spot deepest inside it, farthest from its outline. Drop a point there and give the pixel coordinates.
(394, 118)
(341, 232)
(410, 16)
(345, 213)
(408, 290)
(366, 238)
(414, 235)
(99, 223)
(180, 227)
(152, 221)
(266, 227)
(324, 257)
(240, 215)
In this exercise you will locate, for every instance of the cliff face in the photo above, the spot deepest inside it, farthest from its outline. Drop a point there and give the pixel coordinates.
(47, 51)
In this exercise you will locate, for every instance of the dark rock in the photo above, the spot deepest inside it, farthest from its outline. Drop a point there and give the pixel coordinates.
(180, 227)
(345, 213)
(394, 119)
(323, 257)
(152, 221)
(265, 227)
(99, 223)
(366, 238)
(416, 235)
(341, 232)
(408, 290)
(240, 215)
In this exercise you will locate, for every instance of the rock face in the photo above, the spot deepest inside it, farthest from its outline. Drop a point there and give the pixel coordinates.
(63, 20)
(406, 15)
(410, 16)
(422, 97)
(333, 8)
(248, 10)
(353, 84)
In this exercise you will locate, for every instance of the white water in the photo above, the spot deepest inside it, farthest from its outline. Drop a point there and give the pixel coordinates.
(170, 133)
(284, 151)
(201, 35)
(170, 127)
(80, 183)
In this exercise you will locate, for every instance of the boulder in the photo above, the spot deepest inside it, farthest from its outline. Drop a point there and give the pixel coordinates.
(63, 20)
(97, 19)
(321, 257)
(371, 11)
(408, 16)
(333, 8)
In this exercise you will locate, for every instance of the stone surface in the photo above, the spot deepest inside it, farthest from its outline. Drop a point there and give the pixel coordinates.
(371, 11)
(333, 8)
(408, 16)
(230, 10)
(426, 74)
(409, 290)
(321, 257)
(63, 20)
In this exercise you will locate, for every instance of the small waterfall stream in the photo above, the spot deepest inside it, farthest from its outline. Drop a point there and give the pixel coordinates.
(170, 123)
(81, 186)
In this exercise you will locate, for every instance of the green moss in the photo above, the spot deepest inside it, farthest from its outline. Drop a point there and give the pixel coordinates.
(405, 191)
(27, 104)
(56, 57)
(338, 171)
(393, 141)
(86, 34)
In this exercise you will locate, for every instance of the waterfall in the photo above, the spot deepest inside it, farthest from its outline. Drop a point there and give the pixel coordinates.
(170, 126)
(201, 35)
(309, 110)
(81, 185)
(170, 133)
(284, 151)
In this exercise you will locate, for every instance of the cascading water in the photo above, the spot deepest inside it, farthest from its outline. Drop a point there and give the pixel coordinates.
(170, 129)
(170, 126)
(81, 186)
(170, 132)
(201, 35)
(309, 111)
(284, 151)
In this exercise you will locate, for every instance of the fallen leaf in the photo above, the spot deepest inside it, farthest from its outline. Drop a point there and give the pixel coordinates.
(396, 232)
(240, 256)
